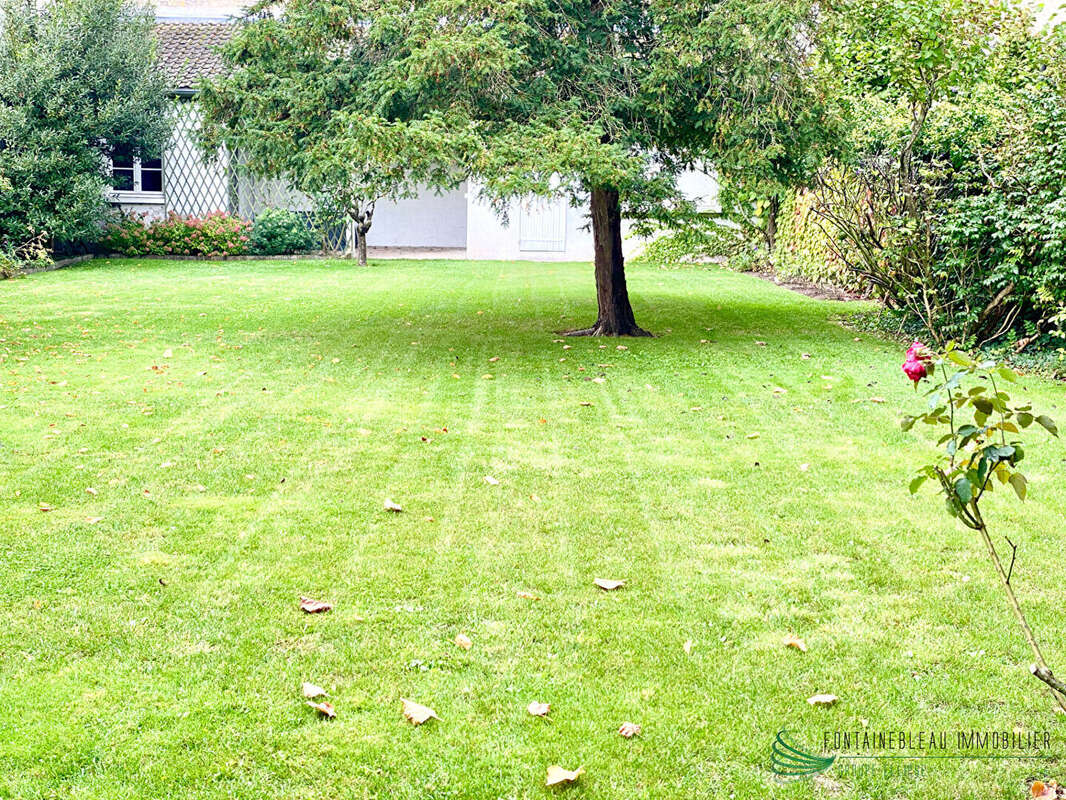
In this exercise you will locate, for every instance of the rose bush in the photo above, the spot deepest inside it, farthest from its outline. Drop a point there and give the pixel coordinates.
(982, 447)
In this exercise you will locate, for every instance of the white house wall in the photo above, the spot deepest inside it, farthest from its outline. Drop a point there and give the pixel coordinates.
(489, 237)
(428, 220)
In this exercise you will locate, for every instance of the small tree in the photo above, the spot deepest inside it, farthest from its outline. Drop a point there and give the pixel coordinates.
(282, 104)
(589, 100)
(978, 455)
(892, 65)
(78, 81)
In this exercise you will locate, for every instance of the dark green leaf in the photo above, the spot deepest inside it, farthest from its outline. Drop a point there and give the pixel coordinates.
(1049, 424)
(1017, 480)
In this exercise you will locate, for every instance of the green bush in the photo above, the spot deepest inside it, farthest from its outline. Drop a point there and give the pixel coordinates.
(31, 254)
(78, 81)
(704, 239)
(277, 231)
(217, 234)
(948, 201)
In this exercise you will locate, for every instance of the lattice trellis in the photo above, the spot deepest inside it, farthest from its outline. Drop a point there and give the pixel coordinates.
(197, 186)
(191, 183)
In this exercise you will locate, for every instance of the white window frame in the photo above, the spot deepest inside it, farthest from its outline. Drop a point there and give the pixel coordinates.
(136, 195)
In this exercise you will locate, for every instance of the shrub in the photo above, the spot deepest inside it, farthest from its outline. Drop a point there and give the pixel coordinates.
(277, 231)
(78, 81)
(702, 239)
(31, 254)
(217, 234)
(802, 247)
(982, 446)
(948, 204)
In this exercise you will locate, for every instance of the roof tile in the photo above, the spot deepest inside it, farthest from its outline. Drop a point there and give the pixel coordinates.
(188, 51)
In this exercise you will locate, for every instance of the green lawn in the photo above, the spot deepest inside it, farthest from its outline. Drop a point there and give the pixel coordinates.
(242, 424)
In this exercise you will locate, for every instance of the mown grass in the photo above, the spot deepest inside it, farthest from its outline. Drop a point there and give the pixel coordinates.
(159, 651)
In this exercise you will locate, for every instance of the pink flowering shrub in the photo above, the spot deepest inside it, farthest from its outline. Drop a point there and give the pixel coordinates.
(217, 234)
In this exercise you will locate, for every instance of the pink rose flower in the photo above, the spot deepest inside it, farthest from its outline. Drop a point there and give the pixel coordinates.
(916, 366)
(914, 369)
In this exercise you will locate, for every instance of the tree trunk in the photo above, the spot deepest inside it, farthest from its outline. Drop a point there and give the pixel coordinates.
(363, 220)
(615, 316)
(362, 246)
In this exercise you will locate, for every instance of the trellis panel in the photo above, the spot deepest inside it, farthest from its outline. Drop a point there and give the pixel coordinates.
(191, 184)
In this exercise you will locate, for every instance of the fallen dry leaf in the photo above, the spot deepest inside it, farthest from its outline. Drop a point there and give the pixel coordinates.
(311, 691)
(608, 585)
(314, 606)
(629, 730)
(494, 359)
(325, 709)
(491, 481)
(395, 508)
(90, 490)
(527, 596)
(539, 709)
(415, 713)
(824, 700)
(687, 646)
(877, 399)
(557, 775)
(792, 640)
(463, 641)
(94, 520)
(1046, 791)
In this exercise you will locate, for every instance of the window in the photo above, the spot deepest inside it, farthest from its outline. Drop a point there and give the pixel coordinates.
(132, 176)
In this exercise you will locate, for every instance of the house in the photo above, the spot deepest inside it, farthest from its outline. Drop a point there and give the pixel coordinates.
(455, 223)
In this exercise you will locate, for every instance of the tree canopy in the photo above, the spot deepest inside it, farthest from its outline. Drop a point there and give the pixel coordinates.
(608, 99)
(78, 81)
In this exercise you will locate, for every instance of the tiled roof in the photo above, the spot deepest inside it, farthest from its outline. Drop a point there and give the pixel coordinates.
(188, 51)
